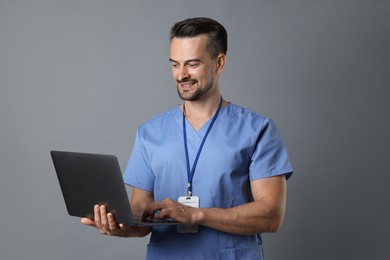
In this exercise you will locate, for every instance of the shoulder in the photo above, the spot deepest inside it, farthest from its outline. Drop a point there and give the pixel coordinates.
(246, 116)
(160, 121)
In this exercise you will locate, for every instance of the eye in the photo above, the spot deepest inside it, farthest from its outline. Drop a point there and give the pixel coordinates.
(194, 64)
(174, 65)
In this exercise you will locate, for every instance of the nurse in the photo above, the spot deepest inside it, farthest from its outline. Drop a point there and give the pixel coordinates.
(216, 166)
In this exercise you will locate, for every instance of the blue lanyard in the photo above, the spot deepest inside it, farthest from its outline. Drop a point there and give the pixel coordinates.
(191, 172)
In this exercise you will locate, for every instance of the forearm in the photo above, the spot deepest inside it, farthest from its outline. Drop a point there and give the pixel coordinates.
(251, 218)
(137, 210)
(264, 214)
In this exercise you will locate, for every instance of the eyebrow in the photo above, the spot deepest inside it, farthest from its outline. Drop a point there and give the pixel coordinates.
(187, 61)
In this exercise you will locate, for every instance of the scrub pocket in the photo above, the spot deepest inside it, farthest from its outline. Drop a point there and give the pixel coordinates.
(246, 253)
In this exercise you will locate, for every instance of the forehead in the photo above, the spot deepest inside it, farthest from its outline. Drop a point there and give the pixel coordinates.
(188, 48)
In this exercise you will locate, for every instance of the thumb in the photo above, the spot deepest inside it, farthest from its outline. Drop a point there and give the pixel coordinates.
(88, 222)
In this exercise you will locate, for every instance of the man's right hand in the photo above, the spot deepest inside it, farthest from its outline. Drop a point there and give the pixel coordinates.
(105, 223)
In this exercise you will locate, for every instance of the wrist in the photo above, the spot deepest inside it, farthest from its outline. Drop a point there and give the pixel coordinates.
(198, 216)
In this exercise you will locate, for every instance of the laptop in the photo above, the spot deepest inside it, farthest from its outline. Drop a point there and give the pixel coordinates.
(88, 179)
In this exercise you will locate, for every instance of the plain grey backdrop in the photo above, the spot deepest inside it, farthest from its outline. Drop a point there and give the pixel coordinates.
(82, 75)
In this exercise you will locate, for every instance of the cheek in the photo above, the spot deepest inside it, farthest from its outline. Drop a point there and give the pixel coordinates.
(200, 75)
(174, 74)
(209, 75)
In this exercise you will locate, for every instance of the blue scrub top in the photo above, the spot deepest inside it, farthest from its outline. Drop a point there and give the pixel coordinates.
(241, 146)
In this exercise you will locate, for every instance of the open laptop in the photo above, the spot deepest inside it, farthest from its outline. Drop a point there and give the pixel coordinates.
(88, 179)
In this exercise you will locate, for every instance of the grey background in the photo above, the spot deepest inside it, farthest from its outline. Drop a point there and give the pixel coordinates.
(82, 75)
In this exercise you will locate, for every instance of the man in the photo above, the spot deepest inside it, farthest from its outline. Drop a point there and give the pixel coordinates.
(225, 159)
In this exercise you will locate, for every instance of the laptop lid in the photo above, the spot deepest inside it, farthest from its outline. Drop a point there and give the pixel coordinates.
(88, 179)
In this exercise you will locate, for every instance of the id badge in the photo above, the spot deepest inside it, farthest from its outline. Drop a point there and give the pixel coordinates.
(192, 201)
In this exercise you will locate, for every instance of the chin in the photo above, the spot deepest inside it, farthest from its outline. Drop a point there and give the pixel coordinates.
(187, 96)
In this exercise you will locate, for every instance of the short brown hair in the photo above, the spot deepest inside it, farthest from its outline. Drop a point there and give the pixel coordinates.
(191, 27)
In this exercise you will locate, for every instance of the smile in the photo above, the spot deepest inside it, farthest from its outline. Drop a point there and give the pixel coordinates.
(187, 85)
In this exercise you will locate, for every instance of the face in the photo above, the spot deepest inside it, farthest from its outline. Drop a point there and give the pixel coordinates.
(193, 69)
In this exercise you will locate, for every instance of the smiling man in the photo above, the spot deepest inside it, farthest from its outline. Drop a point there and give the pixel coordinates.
(194, 68)
(227, 162)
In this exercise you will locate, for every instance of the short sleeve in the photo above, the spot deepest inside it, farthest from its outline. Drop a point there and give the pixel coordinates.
(138, 172)
(270, 156)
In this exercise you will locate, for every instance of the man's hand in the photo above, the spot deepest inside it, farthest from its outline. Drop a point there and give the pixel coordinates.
(170, 209)
(105, 223)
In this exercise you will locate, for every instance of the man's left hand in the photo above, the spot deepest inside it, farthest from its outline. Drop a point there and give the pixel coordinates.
(170, 209)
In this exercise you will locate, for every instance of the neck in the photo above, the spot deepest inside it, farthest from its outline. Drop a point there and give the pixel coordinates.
(200, 111)
(202, 108)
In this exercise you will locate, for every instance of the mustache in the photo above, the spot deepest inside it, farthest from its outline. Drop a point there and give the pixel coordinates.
(186, 80)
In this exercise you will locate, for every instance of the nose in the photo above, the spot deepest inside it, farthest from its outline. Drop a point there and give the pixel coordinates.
(182, 73)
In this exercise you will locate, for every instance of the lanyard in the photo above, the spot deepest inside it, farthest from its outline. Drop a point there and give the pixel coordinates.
(191, 172)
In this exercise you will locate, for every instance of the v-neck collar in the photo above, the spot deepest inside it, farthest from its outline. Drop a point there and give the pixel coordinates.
(203, 129)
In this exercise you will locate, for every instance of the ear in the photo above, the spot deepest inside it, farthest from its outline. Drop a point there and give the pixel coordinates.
(221, 60)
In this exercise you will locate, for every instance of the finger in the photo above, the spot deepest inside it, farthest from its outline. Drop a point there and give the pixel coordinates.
(124, 227)
(145, 214)
(164, 213)
(158, 214)
(96, 216)
(111, 222)
(169, 201)
(151, 209)
(88, 222)
(103, 216)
